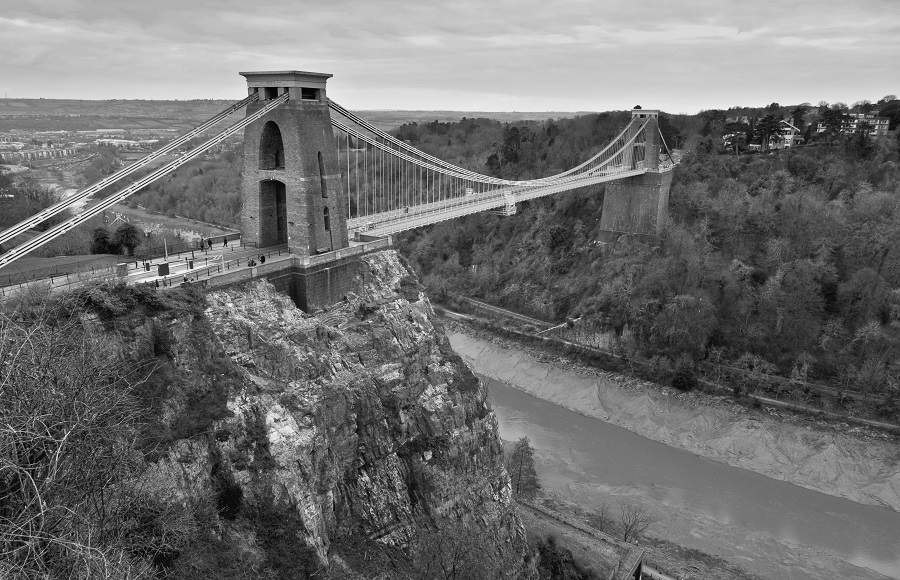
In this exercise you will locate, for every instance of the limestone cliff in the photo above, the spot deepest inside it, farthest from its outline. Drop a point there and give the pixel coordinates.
(356, 426)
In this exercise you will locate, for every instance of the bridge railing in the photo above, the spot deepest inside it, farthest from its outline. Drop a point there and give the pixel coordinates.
(97, 265)
(209, 271)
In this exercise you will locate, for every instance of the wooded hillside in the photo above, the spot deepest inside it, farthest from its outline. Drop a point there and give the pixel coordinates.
(785, 263)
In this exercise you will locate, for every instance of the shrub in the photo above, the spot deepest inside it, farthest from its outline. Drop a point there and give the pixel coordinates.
(558, 562)
(160, 338)
(127, 236)
(100, 242)
(684, 379)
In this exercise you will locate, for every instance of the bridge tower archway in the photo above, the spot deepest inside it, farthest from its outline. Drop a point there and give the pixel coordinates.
(272, 213)
(292, 191)
(271, 147)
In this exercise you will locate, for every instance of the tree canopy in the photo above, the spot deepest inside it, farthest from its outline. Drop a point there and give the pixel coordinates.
(785, 257)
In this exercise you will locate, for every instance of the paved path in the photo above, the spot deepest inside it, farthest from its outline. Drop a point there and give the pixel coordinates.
(208, 262)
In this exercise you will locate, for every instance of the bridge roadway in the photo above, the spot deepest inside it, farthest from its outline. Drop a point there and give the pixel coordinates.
(411, 217)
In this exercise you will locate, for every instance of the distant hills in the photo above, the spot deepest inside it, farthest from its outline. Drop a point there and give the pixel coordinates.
(76, 114)
(391, 119)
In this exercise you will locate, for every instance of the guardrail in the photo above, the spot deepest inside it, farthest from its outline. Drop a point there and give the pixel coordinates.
(115, 270)
(97, 264)
(72, 270)
(204, 273)
(246, 263)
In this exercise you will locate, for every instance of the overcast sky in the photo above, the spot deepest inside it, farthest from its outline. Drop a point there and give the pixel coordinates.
(501, 55)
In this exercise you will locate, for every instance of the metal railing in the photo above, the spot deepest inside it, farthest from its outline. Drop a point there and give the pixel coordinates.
(97, 264)
(206, 272)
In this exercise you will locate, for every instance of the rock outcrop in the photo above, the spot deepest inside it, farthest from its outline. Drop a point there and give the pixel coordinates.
(305, 430)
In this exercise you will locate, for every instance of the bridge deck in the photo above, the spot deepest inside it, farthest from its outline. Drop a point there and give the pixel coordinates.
(398, 220)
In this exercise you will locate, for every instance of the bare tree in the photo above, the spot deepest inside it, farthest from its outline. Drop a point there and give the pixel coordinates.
(635, 519)
(601, 518)
(65, 446)
(468, 550)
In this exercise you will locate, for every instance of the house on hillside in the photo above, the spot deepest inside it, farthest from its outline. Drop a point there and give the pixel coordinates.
(789, 137)
(871, 123)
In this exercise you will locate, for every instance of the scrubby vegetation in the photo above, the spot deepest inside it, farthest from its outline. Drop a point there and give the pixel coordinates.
(75, 499)
(84, 379)
(557, 563)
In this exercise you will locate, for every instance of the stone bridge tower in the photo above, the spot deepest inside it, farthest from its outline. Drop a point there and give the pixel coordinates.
(638, 205)
(291, 181)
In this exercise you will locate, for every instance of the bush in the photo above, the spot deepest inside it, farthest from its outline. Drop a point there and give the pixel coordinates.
(100, 242)
(558, 562)
(127, 236)
(684, 379)
(659, 368)
(161, 339)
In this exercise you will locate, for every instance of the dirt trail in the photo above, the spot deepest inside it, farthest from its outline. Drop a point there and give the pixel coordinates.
(849, 463)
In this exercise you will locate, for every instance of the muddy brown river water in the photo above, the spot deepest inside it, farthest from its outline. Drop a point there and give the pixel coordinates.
(770, 527)
(587, 452)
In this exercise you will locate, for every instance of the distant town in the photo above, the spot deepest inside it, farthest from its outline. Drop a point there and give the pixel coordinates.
(20, 145)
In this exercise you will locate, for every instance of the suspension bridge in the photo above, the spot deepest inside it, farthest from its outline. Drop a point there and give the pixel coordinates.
(317, 178)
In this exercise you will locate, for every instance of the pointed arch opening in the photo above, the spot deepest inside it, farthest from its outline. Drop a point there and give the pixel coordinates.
(271, 147)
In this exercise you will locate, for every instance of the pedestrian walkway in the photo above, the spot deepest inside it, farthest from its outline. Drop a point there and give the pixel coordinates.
(164, 271)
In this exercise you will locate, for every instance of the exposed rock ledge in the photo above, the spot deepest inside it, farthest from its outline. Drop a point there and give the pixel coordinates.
(356, 422)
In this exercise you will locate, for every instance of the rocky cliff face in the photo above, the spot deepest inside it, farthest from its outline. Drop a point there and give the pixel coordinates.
(356, 426)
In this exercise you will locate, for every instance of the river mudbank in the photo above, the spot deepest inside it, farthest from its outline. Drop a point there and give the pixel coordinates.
(836, 459)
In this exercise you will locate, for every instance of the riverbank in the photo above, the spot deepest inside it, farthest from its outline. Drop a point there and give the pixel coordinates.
(838, 459)
(765, 527)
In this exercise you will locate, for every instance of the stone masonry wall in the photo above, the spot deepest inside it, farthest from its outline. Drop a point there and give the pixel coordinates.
(636, 205)
(306, 132)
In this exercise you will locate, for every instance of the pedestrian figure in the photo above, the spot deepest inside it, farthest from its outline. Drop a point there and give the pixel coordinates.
(209, 241)
(262, 259)
(157, 283)
(224, 243)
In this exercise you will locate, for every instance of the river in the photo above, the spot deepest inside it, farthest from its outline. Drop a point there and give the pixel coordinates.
(772, 528)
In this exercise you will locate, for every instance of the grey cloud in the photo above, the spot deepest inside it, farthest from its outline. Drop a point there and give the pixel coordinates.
(519, 51)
